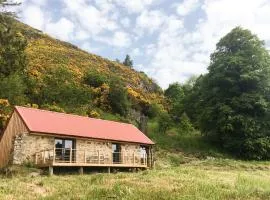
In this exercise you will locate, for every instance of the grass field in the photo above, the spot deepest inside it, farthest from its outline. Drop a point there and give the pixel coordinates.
(186, 168)
(198, 179)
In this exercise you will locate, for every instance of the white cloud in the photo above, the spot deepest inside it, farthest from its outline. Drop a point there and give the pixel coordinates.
(33, 16)
(136, 52)
(89, 18)
(187, 6)
(61, 29)
(150, 20)
(134, 6)
(119, 39)
(125, 22)
(88, 47)
(39, 2)
(81, 35)
(221, 17)
(180, 52)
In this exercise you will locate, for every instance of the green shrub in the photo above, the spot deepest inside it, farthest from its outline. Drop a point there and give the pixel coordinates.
(164, 122)
(185, 124)
(118, 99)
(60, 88)
(13, 88)
(153, 110)
(95, 79)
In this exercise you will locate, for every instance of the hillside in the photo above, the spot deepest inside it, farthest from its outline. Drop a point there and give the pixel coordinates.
(61, 77)
(45, 53)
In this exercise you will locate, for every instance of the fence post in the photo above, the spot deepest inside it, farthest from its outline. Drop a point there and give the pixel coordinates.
(70, 155)
(145, 163)
(54, 155)
(84, 156)
(98, 157)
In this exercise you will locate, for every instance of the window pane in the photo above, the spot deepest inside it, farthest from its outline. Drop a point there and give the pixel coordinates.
(68, 143)
(58, 143)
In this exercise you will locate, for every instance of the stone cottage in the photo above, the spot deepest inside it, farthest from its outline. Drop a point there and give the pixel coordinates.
(49, 139)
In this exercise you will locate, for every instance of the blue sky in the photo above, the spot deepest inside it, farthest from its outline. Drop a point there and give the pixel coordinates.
(167, 39)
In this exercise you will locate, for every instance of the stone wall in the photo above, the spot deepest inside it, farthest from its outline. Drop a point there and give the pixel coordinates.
(103, 149)
(26, 145)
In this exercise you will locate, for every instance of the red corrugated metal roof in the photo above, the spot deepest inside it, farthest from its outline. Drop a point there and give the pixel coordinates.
(43, 121)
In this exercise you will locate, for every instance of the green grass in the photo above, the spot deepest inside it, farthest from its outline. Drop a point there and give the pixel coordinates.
(175, 140)
(208, 179)
(186, 168)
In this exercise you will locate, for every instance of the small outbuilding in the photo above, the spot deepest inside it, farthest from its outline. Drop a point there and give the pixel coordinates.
(49, 139)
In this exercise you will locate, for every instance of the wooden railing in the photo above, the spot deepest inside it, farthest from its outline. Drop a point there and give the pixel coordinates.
(88, 157)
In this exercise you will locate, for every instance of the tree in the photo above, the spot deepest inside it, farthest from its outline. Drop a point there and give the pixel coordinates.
(175, 94)
(12, 44)
(234, 96)
(12, 62)
(164, 122)
(5, 110)
(118, 98)
(3, 12)
(128, 62)
(12, 88)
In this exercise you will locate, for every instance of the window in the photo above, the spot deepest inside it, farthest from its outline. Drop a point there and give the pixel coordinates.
(116, 149)
(62, 149)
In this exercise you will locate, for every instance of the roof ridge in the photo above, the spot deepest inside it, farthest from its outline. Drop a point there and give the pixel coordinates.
(75, 115)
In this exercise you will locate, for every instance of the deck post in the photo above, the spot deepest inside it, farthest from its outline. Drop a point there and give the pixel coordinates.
(81, 170)
(109, 170)
(133, 158)
(50, 170)
(54, 155)
(70, 155)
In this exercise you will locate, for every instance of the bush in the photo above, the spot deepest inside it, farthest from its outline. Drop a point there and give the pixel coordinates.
(118, 99)
(53, 107)
(93, 114)
(185, 124)
(153, 110)
(5, 110)
(13, 88)
(164, 121)
(94, 79)
(60, 88)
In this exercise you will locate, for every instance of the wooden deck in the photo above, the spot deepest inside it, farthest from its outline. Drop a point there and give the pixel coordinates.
(85, 158)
